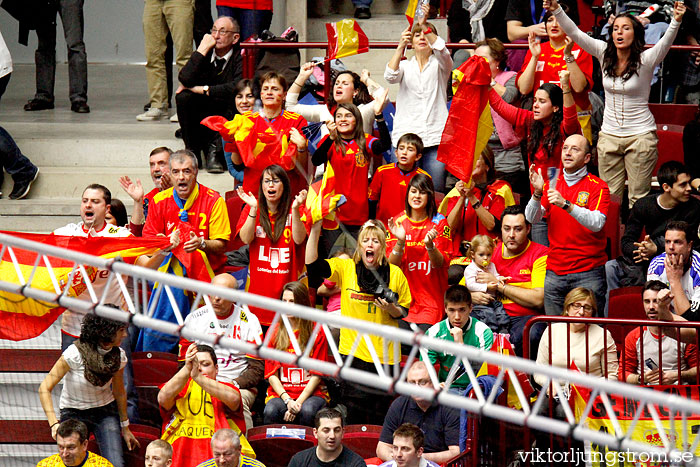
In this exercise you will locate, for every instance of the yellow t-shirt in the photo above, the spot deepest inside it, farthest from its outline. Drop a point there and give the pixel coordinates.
(358, 305)
(93, 460)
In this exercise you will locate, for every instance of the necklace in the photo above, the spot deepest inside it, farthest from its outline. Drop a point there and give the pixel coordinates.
(619, 118)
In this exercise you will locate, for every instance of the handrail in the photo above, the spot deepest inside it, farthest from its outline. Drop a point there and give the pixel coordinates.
(606, 321)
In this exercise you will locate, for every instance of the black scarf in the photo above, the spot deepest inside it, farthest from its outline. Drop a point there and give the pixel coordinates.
(370, 279)
(99, 369)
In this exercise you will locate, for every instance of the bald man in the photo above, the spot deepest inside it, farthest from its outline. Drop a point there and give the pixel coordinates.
(228, 319)
(576, 204)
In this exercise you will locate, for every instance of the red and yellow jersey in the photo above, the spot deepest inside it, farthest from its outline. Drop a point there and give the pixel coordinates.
(297, 176)
(573, 247)
(352, 179)
(389, 186)
(427, 284)
(148, 200)
(293, 378)
(359, 305)
(526, 270)
(93, 460)
(272, 264)
(196, 416)
(495, 199)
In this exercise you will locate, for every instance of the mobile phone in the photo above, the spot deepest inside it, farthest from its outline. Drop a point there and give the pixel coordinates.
(651, 364)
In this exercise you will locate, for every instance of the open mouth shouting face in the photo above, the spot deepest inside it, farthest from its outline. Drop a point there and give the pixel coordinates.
(623, 32)
(344, 88)
(371, 250)
(93, 208)
(273, 188)
(184, 175)
(158, 163)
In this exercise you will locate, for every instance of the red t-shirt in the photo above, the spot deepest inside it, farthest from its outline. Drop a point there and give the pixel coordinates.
(389, 186)
(526, 270)
(352, 179)
(271, 264)
(297, 176)
(427, 285)
(551, 62)
(494, 200)
(293, 378)
(573, 247)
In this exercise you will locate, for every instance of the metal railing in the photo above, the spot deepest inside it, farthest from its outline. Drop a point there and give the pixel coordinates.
(389, 378)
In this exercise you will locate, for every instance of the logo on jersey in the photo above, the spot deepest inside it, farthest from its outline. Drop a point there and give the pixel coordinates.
(419, 266)
(274, 256)
(582, 198)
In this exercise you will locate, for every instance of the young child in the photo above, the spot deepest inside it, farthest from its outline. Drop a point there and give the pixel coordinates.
(394, 178)
(480, 252)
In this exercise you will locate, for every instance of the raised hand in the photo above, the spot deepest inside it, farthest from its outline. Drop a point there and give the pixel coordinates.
(430, 238)
(247, 198)
(536, 179)
(406, 38)
(299, 199)
(381, 102)
(332, 130)
(678, 11)
(550, 5)
(569, 45)
(307, 69)
(297, 138)
(534, 43)
(134, 190)
(397, 230)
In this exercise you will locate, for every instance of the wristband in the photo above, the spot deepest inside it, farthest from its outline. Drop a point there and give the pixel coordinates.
(476, 205)
(301, 150)
(397, 252)
(124, 423)
(566, 92)
(536, 196)
(300, 85)
(57, 423)
(429, 249)
(569, 58)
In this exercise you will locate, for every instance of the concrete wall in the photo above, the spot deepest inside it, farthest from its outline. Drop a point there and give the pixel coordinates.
(113, 32)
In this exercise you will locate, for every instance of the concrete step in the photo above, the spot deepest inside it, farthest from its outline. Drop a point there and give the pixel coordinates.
(19, 396)
(25, 455)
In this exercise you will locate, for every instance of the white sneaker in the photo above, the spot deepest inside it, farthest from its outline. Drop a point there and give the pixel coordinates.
(174, 118)
(154, 113)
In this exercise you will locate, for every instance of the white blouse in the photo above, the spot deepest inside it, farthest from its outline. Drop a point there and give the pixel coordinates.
(78, 392)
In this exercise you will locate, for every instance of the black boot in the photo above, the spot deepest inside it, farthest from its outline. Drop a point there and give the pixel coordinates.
(215, 157)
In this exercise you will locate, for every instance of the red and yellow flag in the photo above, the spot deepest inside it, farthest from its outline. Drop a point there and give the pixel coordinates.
(322, 201)
(255, 140)
(346, 38)
(411, 10)
(23, 318)
(501, 344)
(469, 124)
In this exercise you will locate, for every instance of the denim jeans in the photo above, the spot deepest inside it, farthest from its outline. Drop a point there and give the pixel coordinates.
(517, 327)
(250, 21)
(73, 21)
(12, 160)
(275, 409)
(104, 423)
(434, 167)
(362, 3)
(556, 287)
(540, 232)
(492, 315)
(613, 275)
(132, 398)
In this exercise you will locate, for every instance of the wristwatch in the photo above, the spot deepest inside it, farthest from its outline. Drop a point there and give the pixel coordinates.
(202, 245)
(567, 205)
(205, 88)
(569, 58)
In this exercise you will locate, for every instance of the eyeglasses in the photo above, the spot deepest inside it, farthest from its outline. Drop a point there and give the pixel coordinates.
(271, 181)
(222, 32)
(420, 382)
(579, 306)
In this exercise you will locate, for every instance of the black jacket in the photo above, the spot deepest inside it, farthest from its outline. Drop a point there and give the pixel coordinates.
(199, 71)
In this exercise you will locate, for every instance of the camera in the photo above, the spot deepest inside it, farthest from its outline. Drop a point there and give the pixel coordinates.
(386, 294)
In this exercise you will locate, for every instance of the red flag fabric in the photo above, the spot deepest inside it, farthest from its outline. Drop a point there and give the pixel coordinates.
(322, 201)
(23, 318)
(346, 38)
(255, 140)
(469, 123)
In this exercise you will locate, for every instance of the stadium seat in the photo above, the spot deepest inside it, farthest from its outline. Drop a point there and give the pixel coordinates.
(624, 303)
(670, 147)
(613, 229)
(673, 114)
(362, 439)
(278, 451)
(151, 370)
(28, 360)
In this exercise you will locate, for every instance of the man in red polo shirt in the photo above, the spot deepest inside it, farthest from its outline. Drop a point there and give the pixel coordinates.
(577, 204)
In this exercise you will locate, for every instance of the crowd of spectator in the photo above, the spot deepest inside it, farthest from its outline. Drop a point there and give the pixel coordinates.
(413, 248)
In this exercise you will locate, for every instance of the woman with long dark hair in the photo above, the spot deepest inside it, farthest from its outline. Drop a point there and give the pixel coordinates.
(271, 226)
(424, 259)
(93, 392)
(627, 140)
(294, 394)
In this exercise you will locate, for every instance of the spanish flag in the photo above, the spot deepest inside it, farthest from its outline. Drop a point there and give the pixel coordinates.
(469, 124)
(502, 345)
(322, 201)
(255, 140)
(23, 318)
(346, 38)
(411, 10)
